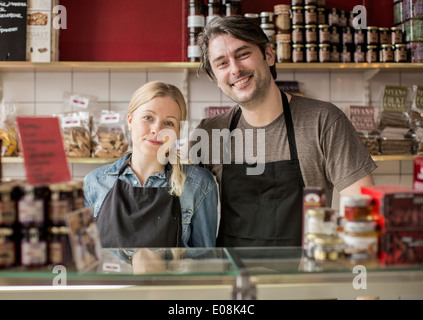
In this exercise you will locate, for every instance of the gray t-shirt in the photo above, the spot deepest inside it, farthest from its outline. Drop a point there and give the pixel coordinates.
(329, 150)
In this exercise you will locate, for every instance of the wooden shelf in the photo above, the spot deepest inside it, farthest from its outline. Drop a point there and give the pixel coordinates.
(94, 66)
(110, 160)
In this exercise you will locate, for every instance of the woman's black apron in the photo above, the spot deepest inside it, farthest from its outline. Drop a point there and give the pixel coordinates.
(134, 217)
(266, 209)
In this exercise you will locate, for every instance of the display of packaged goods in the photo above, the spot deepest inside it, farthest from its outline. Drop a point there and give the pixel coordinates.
(213, 111)
(39, 33)
(412, 9)
(399, 208)
(416, 51)
(393, 120)
(401, 247)
(413, 30)
(397, 141)
(418, 174)
(398, 13)
(361, 240)
(394, 98)
(362, 117)
(371, 141)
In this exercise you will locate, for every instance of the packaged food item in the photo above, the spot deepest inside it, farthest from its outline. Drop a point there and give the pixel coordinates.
(59, 248)
(397, 141)
(416, 51)
(7, 248)
(357, 208)
(60, 204)
(7, 206)
(401, 247)
(326, 248)
(361, 241)
(33, 247)
(76, 134)
(110, 136)
(8, 131)
(371, 140)
(320, 221)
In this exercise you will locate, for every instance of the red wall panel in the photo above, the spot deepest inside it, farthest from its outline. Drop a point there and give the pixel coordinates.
(141, 30)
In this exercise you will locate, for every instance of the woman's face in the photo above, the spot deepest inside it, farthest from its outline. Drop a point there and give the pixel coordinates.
(155, 124)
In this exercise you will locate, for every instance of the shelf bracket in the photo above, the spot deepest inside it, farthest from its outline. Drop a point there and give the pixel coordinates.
(368, 75)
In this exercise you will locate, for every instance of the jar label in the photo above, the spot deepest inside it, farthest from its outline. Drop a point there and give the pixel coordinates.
(7, 254)
(196, 21)
(33, 254)
(7, 212)
(31, 211)
(193, 52)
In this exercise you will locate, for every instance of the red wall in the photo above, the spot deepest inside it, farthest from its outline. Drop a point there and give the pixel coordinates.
(141, 30)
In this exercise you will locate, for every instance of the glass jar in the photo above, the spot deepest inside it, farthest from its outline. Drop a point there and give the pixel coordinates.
(61, 203)
(384, 36)
(298, 53)
(320, 220)
(311, 52)
(32, 206)
(347, 53)
(321, 16)
(359, 37)
(283, 47)
(401, 54)
(213, 10)
(361, 241)
(324, 33)
(253, 17)
(347, 35)
(372, 54)
(7, 205)
(324, 52)
(233, 8)
(335, 36)
(372, 35)
(193, 50)
(266, 17)
(33, 247)
(357, 207)
(397, 36)
(333, 17)
(297, 15)
(269, 30)
(327, 248)
(7, 248)
(360, 54)
(386, 53)
(297, 34)
(297, 3)
(59, 251)
(334, 53)
(342, 19)
(310, 15)
(311, 33)
(78, 195)
(282, 18)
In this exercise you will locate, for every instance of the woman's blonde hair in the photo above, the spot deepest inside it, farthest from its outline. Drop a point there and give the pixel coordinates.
(148, 92)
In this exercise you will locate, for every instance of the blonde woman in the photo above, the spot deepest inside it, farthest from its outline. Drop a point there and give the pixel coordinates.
(139, 201)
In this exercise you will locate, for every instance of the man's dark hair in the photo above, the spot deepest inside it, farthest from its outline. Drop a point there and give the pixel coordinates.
(237, 26)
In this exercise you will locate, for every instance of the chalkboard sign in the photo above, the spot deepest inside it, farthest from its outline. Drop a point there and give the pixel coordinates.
(13, 30)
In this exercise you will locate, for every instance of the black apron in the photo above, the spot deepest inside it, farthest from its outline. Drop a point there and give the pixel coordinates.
(134, 217)
(266, 209)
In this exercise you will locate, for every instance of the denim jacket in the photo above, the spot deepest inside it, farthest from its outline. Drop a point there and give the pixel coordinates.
(199, 200)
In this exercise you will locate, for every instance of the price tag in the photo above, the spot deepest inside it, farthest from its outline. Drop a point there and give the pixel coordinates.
(43, 149)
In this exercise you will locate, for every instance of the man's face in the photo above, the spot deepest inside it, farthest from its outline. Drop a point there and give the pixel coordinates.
(241, 71)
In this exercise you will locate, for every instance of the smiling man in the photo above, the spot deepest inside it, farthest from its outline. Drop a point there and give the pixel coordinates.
(307, 142)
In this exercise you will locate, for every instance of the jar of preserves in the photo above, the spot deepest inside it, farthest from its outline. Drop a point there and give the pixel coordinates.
(333, 17)
(7, 205)
(32, 206)
(386, 53)
(334, 53)
(372, 35)
(282, 18)
(33, 247)
(359, 37)
(324, 52)
(347, 53)
(78, 195)
(266, 17)
(7, 248)
(213, 10)
(311, 33)
(283, 48)
(347, 35)
(357, 207)
(324, 33)
(342, 19)
(193, 50)
(401, 54)
(384, 36)
(298, 53)
(233, 8)
(397, 36)
(297, 15)
(269, 30)
(360, 54)
(321, 16)
(59, 251)
(372, 54)
(310, 2)
(311, 52)
(361, 241)
(297, 3)
(298, 34)
(327, 248)
(310, 14)
(320, 220)
(254, 17)
(61, 203)
(335, 36)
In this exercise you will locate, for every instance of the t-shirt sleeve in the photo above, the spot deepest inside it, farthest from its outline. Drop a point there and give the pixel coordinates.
(347, 159)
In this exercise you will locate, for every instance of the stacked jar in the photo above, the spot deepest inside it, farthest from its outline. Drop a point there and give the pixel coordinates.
(8, 252)
(283, 32)
(214, 9)
(360, 229)
(412, 16)
(195, 23)
(267, 24)
(233, 8)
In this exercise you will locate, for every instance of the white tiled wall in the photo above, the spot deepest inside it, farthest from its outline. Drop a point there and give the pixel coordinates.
(41, 93)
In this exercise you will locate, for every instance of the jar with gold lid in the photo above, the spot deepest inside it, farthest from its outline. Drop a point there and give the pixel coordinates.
(327, 248)
(357, 207)
(7, 205)
(7, 248)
